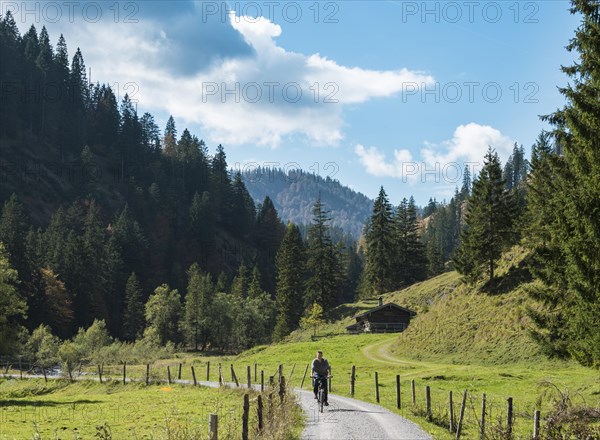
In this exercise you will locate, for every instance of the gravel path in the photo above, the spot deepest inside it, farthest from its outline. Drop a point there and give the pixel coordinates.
(349, 419)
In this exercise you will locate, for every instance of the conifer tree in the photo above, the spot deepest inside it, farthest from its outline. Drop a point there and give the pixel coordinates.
(244, 211)
(254, 286)
(322, 286)
(267, 235)
(58, 302)
(467, 184)
(93, 248)
(410, 260)
(572, 239)
(239, 286)
(78, 100)
(133, 314)
(198, 302)
(150, 134)
(170, 139)
(13, 228)
(291, 266)
(381, 247)
(488, 222)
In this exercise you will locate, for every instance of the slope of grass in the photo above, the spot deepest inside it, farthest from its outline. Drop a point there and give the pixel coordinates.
(472, 324)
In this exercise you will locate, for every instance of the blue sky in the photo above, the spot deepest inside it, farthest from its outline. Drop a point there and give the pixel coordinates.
(394, 93)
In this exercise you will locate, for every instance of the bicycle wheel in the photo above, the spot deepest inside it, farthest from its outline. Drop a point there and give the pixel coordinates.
(320, 398)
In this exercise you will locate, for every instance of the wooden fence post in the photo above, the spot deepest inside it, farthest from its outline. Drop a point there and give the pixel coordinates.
(208, 371)
(262, 380)
(234, 376)
(451, 413)
(168, 374)
(280, 370)
(213, 427)
(291, 372)
(194, 376)
(304, 377)
(100, 373)
(270, 403)
(398, 400)
(281, 387)
(482, 425)
(220, 375)
(461, 415)
(249, 375)
(536, 424)
(259, 412)
(428, 402)
(147, 374)
(352, 379)
(509, 417)
(377, 387)
(245, 417)
(124, 372)
(179, 372)
(255, 372)
(414, 394)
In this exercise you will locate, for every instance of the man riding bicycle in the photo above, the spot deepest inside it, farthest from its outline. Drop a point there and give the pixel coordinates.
(319, 371)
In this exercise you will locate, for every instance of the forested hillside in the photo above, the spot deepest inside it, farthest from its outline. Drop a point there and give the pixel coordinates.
(145, 233)
(294, 193)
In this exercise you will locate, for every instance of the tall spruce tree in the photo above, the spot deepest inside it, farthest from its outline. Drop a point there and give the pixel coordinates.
(267, 235)
(13, 228)
(133, 315)
(199, 295)
(170, 139)
(489, 220)
(410, 262)
(322, 286)
(239, 286)
(381, 247)
(291, 267)
(574, 224)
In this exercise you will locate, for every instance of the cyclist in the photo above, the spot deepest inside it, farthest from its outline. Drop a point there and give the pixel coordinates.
(320, 370)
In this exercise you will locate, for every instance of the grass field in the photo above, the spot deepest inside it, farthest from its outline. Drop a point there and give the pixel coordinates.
(33, 409)
(527, 383)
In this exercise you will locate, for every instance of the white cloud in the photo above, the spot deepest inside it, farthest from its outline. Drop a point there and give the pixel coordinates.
(439, 163)
(468, 144)
(376, 164)
(261, 97)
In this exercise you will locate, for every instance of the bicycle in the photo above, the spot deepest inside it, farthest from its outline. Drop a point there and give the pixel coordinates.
(321, 391)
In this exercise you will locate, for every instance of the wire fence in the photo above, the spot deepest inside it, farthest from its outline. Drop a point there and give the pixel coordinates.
(464, 413)
(266, 414)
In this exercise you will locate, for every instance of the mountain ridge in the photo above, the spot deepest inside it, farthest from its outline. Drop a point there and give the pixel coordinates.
(295, 192)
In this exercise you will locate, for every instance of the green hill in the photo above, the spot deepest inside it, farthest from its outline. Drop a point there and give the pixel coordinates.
(462, 323)
(457, 322)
